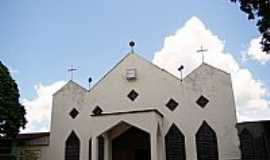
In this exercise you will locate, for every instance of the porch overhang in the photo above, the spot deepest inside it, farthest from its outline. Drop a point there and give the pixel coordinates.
(111, 125)
(147, 120)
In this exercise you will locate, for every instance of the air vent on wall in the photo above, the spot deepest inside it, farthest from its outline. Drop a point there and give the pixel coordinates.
(202, 101)
(97, 111)
(171, 104)
(131, 74)
(73, 113)
(132, 95)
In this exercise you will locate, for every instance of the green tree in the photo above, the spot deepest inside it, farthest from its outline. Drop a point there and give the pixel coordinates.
(258, 10)
(12, 113)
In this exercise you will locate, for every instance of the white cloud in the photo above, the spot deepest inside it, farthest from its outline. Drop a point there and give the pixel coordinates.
(255, 52)
(39, 109)
(180, 49)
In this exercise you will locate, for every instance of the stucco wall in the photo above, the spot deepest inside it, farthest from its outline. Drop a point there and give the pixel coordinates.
(155, 88)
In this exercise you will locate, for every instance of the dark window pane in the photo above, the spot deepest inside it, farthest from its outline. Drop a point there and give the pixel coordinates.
(202, 101)
(73, 113)
(206, 141)
(175, 144)
(72, 148)
(132, 95)
(172, 104)
(97, 111)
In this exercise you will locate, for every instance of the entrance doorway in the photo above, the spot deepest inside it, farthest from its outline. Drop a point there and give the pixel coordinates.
(133, 144)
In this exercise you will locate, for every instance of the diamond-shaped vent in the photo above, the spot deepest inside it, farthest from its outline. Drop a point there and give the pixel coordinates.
(202, 101)
(172, 104)
(74, 113)
(132, 95)
(97, 111)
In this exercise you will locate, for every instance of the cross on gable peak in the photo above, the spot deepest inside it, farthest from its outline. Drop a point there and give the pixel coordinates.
(71, 70)
(202, 51)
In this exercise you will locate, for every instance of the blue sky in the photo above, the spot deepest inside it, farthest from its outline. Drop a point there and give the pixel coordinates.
(39, 40)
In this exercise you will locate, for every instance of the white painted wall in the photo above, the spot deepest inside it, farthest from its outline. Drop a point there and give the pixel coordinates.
(155, 88)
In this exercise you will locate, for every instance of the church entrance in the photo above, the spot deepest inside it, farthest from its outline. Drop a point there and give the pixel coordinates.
(133, 144)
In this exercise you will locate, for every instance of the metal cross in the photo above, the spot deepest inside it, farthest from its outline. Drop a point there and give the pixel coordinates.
(202, 51)
(71, 70)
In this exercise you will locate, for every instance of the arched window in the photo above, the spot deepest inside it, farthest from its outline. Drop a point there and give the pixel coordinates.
(206, 141)
(72, 148)
(175, 144)
(247, 145)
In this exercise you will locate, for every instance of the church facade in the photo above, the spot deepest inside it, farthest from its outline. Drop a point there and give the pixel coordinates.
(139, 111)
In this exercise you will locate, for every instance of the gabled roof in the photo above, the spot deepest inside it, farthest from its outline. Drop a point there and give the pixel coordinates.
(139, 57)
(71, 83)
(146, 61)
(203, 65)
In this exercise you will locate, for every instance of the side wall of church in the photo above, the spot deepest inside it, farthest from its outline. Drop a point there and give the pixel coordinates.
(155, 87)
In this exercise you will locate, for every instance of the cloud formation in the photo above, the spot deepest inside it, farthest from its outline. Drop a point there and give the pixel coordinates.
(180, 48)
(38, 110)
(255, 52)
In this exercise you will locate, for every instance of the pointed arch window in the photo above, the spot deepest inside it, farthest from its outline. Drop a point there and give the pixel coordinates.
(175, 144)
(72, 147)
(206, 142)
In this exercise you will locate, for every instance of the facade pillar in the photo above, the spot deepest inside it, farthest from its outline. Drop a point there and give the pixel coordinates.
(107, 147)
(161, 148)
(94, 148)
(154, 147)
(84, 151)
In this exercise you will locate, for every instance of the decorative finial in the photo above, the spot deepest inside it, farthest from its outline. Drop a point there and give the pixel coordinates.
(180, 69)
(71, 70)
(89, 81)
(202, 51)
(132, 44)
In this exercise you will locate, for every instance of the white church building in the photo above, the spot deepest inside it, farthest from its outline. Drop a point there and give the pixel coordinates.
(139, 111)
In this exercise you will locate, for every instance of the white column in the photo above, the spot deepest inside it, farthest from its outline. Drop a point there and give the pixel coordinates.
(161, 147)
(107, 147)
(84, 148)
(154, 147)
(94, 148)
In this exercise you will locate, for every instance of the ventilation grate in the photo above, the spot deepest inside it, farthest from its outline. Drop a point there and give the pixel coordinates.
(97, 111)
(132, 95)
(171, 104)
(74, 113)
(202, 101)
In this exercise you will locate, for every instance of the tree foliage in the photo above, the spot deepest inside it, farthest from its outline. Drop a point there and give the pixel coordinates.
(12, 113)
(259, 10)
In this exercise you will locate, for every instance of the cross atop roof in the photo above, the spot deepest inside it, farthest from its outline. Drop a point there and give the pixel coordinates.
(202, 51)
(71, 70)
